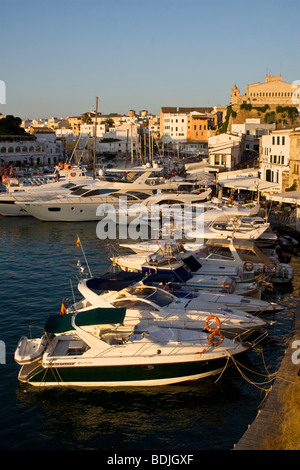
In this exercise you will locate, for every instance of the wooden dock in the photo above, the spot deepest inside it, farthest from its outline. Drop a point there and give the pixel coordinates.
(269, 418)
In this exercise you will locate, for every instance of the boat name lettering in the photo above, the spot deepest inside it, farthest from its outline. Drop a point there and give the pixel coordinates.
(70, 363)
(63, 364)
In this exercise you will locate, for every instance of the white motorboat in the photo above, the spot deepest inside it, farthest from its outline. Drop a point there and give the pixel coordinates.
(30, 349)
(195, 270)
(154, 306)
(64, 179)
(99, 200)
(88, 203)
(233, 230)
(149, 356)
(210, 301)
(214, 258)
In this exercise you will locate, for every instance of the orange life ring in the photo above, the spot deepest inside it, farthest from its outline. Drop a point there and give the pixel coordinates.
(248, 265)
(68, 167)
(72, 175)
(228, 287)
(211, 336)
(216, 319)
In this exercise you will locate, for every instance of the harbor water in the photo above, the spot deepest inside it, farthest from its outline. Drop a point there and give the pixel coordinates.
(39, 270)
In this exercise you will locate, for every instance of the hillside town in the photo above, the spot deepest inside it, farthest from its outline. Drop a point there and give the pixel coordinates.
(259, 129)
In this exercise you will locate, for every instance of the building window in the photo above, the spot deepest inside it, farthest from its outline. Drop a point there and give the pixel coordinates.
(278, 140)
(282, 159)
(273, 140)
(283, 140)
(296, 169)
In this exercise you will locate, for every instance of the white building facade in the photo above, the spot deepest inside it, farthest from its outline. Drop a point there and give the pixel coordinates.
(224, 151)
(275, 155)
(175, 127)
(33, 152)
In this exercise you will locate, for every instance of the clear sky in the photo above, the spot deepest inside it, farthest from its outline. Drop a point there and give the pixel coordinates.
(56, 56)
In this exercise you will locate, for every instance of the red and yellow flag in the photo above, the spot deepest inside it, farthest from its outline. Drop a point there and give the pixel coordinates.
(78, 242)
(63, 309)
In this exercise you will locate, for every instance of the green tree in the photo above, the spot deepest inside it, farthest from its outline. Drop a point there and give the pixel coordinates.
(11, 125)
(86, 119)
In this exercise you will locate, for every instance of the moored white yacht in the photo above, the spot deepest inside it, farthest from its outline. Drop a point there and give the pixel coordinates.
(154, 306)
(65, 178)
(235, 230)
(82, 205)
(90, 353)
(210, 301)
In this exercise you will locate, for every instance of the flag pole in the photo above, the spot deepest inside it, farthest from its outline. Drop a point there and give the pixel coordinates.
(80, 244)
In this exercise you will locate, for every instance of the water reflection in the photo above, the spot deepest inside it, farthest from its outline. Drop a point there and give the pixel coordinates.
(184, 416)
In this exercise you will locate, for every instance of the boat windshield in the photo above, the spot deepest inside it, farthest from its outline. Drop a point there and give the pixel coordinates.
(157, 296)
(161, 298)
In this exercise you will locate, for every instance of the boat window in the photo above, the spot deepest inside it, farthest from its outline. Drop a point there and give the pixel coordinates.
(54, 209)
(125, 195)
(160, 298)
(76, 187)
(133, 304)
(81, 190)
(93, 192)
(69, 185)
(138, 194)
(77, 348)
(76, 351)
(140, 291)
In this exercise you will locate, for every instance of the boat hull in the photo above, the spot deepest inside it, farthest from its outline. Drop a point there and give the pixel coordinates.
(8, 208)
(144, 375)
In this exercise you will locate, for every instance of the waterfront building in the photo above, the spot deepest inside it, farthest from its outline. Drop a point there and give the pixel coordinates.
(19, 150)
(253, 127)
(273, 92)
(294, 166)
(225, 150)
(89, 130)
(188, 129)
(275, 158)
(74, 123)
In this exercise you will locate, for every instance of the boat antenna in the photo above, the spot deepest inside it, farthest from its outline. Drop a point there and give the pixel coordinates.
(78, 243)
(95, 141)
(74, 149)
(72, 291)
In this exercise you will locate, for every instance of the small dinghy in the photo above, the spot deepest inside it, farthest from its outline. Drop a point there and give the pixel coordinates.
(30, 350)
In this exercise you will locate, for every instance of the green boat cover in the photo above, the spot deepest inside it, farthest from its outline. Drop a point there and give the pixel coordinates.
(98, 316)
